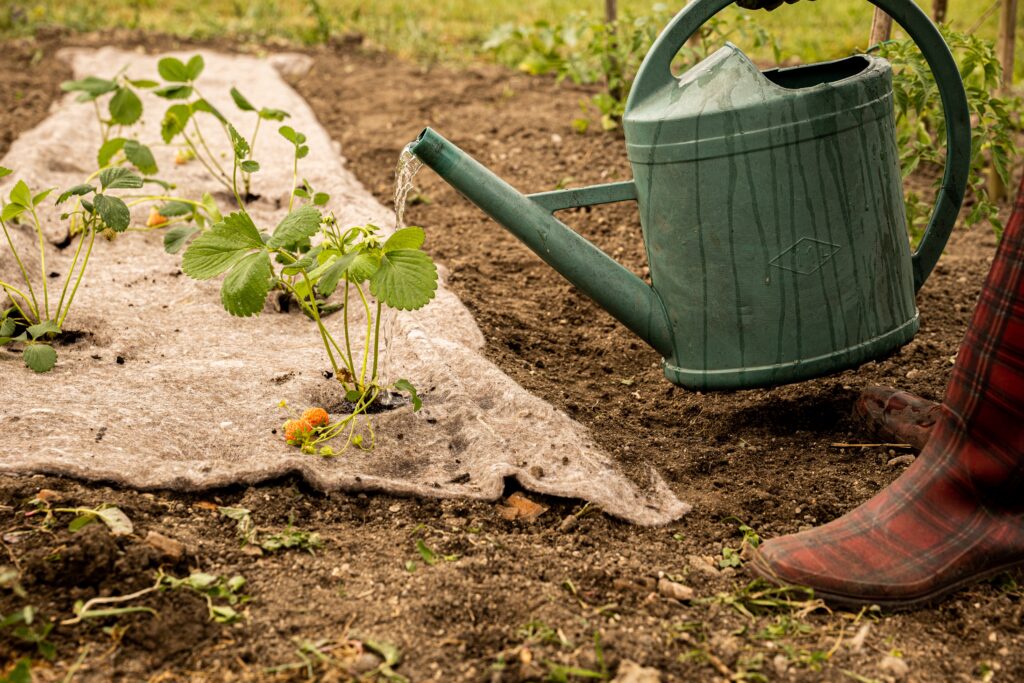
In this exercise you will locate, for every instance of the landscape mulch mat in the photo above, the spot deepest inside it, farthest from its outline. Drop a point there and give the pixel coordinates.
(516, 599)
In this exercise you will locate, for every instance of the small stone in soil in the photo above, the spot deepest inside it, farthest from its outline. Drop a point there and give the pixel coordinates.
(901, 460)
(519, 507)
(169, 548)
(673, 590)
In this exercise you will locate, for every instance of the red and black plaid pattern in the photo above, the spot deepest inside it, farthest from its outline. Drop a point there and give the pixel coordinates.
(957, 514)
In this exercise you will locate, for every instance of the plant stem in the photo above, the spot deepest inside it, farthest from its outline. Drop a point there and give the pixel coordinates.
(104, 131)
(324, 334)
(81, 272)
(348, 340)
(247, 177)
(295, 179)
(71, 271)
(202, 141)
(234, 184)
(42, 262)
(366, 346)
(24, 271)
(11, 288)
(376, 341)
(221, 178)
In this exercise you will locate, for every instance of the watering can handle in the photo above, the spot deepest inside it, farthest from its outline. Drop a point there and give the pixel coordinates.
(656, 72)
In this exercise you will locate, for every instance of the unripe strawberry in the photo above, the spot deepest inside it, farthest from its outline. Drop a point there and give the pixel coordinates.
(297, 431)
(156, 219)
(317, 417)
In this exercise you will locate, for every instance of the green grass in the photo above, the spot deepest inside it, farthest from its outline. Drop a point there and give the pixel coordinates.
(446, 30)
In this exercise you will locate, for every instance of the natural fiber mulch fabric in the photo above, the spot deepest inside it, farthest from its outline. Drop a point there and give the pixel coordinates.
(165, 390)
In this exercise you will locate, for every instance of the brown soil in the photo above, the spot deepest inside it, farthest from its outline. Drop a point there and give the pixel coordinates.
(517, 600)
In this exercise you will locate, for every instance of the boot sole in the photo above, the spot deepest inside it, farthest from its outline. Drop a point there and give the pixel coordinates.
(761, 569)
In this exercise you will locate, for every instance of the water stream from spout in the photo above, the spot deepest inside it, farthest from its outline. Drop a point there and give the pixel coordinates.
(408, 166)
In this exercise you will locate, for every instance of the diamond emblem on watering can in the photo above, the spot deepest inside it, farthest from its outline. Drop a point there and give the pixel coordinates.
(771, 205)
(806, 256)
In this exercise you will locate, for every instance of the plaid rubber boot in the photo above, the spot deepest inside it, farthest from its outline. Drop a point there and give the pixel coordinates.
(957, 514)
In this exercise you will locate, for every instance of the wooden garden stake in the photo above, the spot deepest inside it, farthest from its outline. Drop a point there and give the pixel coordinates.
(881, 28)
(1006, 49)
(939, 8)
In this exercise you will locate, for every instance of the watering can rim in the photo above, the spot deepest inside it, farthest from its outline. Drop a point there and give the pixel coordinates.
(873, 64)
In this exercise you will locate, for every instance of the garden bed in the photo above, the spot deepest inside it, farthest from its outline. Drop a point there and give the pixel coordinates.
(514, 593)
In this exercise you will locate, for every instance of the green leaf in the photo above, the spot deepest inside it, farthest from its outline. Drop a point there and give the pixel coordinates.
(406, 279)
(175, 119)
(406, 238)
(125, 107)
(195, 67)
(288, 133)
(223, 614)
(119, 178)
(204, 106)
(296, 226)
(174, 92)
(321, 199)
(80, 522)
(303, 264)
(4, 171)
(363, 267)
(224, 245)
(175, 238)
(21, 673)
(90, 87)
(201, 581)
(141, 157)
(38, 198)
(212, 210)
(113, 211)
(246, 287)
(249, 166)
(175, 209)
(45, 327)
(107, 151)
(240, 101)
(273, 114)
(11, 211)
(428, 555)
(21, 195)
(173, 69)
(7, 327)
(40, 357)
(116, 520)
(328, 282)
(143, 83)
(239, 143)
(407, 386)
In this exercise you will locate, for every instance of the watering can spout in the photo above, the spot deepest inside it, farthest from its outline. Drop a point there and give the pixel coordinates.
(530, 218)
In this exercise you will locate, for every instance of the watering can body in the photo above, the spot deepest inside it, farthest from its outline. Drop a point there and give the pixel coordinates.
(771, 206)
(772, 210)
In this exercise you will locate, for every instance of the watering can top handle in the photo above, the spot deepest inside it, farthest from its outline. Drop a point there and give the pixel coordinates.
(656, 72)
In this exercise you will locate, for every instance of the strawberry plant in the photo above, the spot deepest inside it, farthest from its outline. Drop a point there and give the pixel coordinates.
(36, 315)
(370, 272)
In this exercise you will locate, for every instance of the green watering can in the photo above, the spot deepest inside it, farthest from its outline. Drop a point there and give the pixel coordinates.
(771, 205)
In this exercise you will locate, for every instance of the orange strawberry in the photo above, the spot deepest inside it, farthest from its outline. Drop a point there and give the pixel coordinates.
(317, 417)
(297, 431)
(156, 219)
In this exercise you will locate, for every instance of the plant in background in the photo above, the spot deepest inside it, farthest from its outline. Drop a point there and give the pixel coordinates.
(587, 49)
(35, 318)
(921, 128)
(371, 272)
